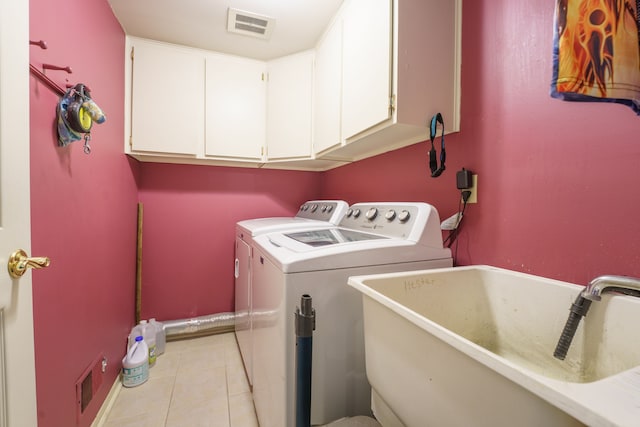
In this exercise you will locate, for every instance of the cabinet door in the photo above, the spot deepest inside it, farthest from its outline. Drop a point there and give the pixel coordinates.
(367, 62)
(235, 107)
(328, 90)
(289, 105)
(167, 99)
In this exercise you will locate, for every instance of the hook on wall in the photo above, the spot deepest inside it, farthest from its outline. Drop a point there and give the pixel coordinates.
(42, 76)
(46, 80)
(57, 67)
(41, 43)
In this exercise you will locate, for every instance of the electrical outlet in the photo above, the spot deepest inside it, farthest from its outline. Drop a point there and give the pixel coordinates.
(473, 198)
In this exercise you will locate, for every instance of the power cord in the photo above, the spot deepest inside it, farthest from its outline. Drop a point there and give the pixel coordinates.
(451, 238)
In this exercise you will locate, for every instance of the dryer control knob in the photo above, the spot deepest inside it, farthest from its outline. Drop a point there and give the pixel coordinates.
(356, 213)
(314, 207)
(390, 215)
(323, 208)
(329, 208)
(349, 212)
(404, 216)
(371, 214)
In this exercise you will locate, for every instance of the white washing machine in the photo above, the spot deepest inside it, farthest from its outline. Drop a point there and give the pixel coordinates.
(371, 238)
(314, 213)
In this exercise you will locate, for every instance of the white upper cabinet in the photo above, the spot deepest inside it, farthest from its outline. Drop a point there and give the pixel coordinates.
(401, 65)
(166, 99)
(185, 105)
(367, 61)
(235, 107)
(378, 74)
(289, 107)
(327, 94)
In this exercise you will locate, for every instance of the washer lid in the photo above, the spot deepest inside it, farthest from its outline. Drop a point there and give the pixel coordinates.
(333, 236)
(269, 225)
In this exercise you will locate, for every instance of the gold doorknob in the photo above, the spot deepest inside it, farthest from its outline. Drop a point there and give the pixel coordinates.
(19, 262)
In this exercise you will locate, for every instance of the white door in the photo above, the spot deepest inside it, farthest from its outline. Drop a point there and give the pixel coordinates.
(17, 372)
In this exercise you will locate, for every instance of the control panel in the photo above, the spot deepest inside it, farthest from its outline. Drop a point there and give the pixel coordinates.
(323, 210)
(388, 219)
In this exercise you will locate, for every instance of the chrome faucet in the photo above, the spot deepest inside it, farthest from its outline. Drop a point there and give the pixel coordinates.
(622, 284)
(593, 291)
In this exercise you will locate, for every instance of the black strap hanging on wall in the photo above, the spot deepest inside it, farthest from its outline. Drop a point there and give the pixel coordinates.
(433, 156)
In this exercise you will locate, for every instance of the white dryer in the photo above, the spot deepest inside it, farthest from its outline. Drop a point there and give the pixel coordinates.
(314, 213)
(371, 238)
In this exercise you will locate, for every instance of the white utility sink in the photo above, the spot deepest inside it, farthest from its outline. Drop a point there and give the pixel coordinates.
(474, 346)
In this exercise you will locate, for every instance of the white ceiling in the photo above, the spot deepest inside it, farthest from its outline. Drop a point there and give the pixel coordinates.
(203, 24)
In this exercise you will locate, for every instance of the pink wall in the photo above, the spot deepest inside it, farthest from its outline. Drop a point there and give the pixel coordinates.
(83, 211)
(558, 192)
(84, 218)
(190, 214)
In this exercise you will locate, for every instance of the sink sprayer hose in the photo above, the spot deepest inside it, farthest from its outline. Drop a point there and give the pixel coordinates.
(578, 310)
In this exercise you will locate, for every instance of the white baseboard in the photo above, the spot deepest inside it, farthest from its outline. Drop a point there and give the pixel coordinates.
(101, 416)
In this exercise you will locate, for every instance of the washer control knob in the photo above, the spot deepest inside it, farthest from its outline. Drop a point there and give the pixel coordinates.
(314, 207)
(323, 208)
(356, 213)
(371, 214)
(349, 212)
(329, 208)
(390, 215)
(404, 216)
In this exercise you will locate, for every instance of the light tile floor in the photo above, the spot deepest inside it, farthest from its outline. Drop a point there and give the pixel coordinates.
(199, 382)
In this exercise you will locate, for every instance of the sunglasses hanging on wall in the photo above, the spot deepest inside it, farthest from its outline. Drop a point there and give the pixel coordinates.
(436, 170)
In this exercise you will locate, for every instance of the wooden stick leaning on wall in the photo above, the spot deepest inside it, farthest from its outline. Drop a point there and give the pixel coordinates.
(139, 265)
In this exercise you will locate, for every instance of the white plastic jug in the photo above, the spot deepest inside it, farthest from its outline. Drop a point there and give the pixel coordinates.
(136, 331)
(161, 337)
(135, 364)
(149, 333)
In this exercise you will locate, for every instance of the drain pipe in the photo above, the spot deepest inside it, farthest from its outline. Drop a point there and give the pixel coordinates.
(199, 326)
(305, 324)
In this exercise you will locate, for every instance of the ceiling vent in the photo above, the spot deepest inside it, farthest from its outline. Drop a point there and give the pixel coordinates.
(249, 24)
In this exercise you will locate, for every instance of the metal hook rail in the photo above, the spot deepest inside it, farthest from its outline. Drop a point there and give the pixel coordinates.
(42, 76)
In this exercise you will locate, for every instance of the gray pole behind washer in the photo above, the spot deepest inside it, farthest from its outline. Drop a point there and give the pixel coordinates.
(305, 324)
